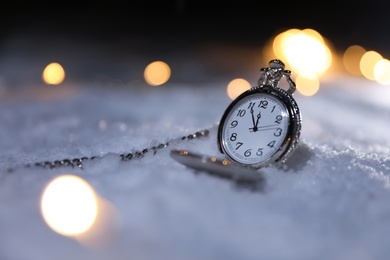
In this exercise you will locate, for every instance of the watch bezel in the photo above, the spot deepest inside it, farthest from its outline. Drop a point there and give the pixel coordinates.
(294, 127)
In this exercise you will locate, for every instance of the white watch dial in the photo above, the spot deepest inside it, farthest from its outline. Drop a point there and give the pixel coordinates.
(255, 128)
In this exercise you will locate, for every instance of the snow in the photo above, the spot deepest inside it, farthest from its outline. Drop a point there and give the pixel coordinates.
(329, 202)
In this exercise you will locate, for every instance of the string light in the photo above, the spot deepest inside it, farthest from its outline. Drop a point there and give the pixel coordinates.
(157, 73)
(236, 87)
(305, 52)
(53, 74)
(69, 205)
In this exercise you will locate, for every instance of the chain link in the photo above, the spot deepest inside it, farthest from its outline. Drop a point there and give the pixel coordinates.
(78, 162)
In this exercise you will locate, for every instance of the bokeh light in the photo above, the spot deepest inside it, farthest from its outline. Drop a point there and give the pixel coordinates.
(236, 87)
(304, 51)
(53, 74)
(69, 205)
(351, 59)
(367, 64)
(382, 72)
(279, 43)
(157, 73)
(307, 54)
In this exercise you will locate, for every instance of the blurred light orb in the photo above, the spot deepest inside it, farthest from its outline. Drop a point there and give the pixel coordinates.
(307, 85)
(53, 74)
(368, 62)
(304, 50)
(313, 34)
(157, 73)
(236, 87)
(69, 205)
(279, 43)
(382, 72)
(351, 59)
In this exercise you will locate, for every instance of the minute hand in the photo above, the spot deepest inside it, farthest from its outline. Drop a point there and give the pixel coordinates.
(267, 127)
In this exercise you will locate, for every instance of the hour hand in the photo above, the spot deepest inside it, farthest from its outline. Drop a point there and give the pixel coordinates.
(255, 122)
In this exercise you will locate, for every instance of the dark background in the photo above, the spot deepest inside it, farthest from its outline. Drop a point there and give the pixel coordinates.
(185, 21)
(163, 29)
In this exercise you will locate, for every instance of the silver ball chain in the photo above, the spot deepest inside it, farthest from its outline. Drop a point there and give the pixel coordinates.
(78, 162)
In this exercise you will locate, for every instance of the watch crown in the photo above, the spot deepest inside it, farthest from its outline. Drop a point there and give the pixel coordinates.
(276, 64)
(274, 73)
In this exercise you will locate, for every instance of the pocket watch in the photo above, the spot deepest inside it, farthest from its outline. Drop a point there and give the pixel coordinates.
(262, 126)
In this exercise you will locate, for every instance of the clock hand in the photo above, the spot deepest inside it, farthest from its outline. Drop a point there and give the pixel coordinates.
(274, 126)
(253, 118)
(268, 127)
(254, 128)
(258, 118)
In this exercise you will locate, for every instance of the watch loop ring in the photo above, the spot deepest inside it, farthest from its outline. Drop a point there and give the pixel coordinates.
(274, 73)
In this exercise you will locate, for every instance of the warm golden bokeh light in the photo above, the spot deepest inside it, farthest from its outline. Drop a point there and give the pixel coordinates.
(53, 74)
(313, 34)
(157, 73)
(368, 62)
(69, 205)
(351, 59)
(307, 54)
(279, 44)
(382, 72)
(237, 87)
(308, 85)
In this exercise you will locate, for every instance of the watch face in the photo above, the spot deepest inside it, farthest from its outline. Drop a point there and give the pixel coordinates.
(254, 128)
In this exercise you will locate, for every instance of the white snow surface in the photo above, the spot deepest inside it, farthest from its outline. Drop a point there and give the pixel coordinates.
(331, 201)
